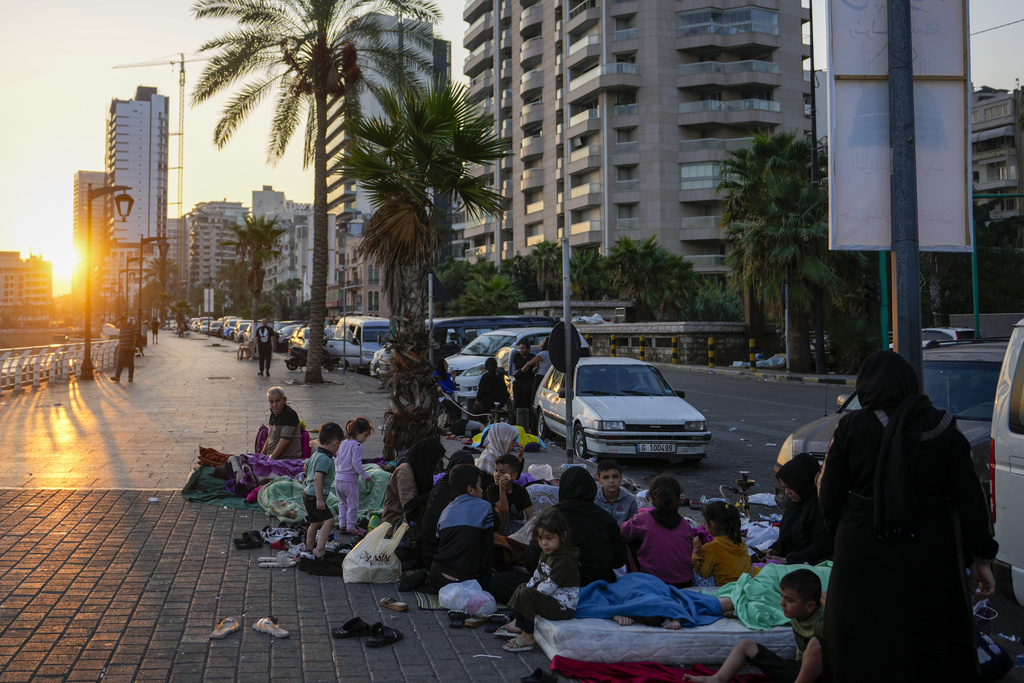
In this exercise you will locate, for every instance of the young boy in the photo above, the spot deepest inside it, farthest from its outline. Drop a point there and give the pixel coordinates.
(510, 500)
(320, 473)
(801, 603)
(617, 501)
(465, 533)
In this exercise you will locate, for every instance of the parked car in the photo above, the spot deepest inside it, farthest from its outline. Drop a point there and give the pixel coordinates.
(960, 377)
(1007, 462)
(283, 334)
(242, 331)
(449, 335)
(298, 348)
(215, 328)
(366, 332)
(622, 408)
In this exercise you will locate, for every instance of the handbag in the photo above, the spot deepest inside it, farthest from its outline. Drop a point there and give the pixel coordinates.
(373, 560)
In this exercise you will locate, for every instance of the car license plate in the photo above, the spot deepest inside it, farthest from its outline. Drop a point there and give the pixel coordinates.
(655, 448)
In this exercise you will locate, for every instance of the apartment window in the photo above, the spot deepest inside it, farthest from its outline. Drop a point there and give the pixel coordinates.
(625, 58)
(976, 116)
(714, 95)
(373, 301)
(698, 176)
(997, 111)
(627, 216)
(627, 178)
(740, 20)
(625, 28)
(373, 275)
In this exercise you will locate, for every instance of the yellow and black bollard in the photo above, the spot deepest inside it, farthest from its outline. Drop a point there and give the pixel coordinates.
(641, 347)
(752, 343)
(612, 340)
(675, 350)
(711, 352)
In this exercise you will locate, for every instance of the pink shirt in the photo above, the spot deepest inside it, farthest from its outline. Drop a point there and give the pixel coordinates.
(349, 461)
(665, 553)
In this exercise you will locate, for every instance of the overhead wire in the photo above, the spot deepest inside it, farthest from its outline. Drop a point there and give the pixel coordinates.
(986, 30)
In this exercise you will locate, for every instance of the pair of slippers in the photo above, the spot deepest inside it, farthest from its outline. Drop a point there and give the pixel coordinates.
(228, 625)
(377, 635)
(279, 561)
(250, 540)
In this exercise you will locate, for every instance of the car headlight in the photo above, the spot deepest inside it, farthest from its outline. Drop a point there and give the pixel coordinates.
(609, 425)
(474, 371)
(695, 426)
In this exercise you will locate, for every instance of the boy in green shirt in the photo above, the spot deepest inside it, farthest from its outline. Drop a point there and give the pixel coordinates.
(320, 480)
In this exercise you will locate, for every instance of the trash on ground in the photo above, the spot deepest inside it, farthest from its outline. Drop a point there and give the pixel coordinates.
(766, 499)
(154, 500)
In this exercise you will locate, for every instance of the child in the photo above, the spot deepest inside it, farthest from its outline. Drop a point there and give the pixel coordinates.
(801, 602)
(320, 472)
(620, 503)
(553, 590)
(465, 533)
(666, 539)
(350, 468)
(510, 500)
(727, 556)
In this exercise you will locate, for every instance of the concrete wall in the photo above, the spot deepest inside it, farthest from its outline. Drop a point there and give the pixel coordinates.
(992, 324)
(692, 341)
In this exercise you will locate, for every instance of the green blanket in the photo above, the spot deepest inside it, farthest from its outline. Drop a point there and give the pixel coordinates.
(757, 597)
(203, 487)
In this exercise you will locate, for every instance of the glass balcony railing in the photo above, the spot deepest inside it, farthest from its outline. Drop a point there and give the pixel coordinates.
(626, 109)
(581, 190)
(581, 7)
(700, 222)
(731, 105)
(624, 34)
(592, 39)
(714, 143)
(604, 70)
(627, 223)
(584, 115)
(630, 185)
(585, 226)
(728, 67)
(584, 152)
(627, 147)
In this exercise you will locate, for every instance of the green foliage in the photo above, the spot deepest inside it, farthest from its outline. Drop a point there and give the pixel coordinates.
(494, 295)
(547, 260)
(522, 272)
(453, 274)
(656, 280)
(255, 243)
(713, 301)
(587, 275)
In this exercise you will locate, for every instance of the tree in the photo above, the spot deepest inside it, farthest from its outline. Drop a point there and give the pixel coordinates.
(310, 52)
(547, 258)
(587, 274)
(232, 278)
(521, 271)
(495, 295)
(255, 243)
(412, 162)
(649, 275)
(180, 309)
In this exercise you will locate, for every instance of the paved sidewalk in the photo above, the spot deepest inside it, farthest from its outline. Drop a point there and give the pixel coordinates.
(97, 582)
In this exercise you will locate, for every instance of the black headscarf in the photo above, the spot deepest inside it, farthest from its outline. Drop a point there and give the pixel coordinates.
(576, 489)
(799, 474)
(591, 528)
(889, 383)
(459, 458)
(423, 458)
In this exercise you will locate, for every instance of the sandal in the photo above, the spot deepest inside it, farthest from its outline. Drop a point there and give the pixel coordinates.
(457, 618)
(225, 627)
(282, 561)
(495, 622)
(383, 635)
(353, 628)
(270, 625)
(516, 645)
(503, 632)
(396, 605)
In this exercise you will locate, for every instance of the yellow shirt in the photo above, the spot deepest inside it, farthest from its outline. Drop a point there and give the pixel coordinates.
(722, 558)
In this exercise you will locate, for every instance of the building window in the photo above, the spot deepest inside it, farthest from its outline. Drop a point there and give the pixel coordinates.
(698, 176)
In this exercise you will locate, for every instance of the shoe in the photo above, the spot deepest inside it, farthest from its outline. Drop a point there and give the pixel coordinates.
(396, 605)
(382, 635)
(503, 632)
(270, 625)
(260, 373)
(495, 622)
(114, 379)
(225, 627)
(516, 645)
(353, 628)
(539, 676)
(457, 618)
(130, 379)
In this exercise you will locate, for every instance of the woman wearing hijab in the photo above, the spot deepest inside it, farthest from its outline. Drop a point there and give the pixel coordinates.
(803, 538)
(501, 438)
(410, 483)
(900, 493)
(437, 501)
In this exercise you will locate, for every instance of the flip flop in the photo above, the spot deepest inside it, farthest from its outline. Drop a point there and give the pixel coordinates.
(396, 605)
(225, 627)
(457, 618)
(516, 645)
(474, 622)
(353, 628)
(495, 622)
(278, 562)
(382, 635)
(503, 632)
(270, 625)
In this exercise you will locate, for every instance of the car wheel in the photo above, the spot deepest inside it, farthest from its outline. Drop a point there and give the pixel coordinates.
(542, 426)
(579, 442)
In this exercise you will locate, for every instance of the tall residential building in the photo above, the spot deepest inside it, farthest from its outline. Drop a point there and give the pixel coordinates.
(26, 287)
(620, 112)
(177, 235)
(208, 225)
(80, 238)
(995, 139)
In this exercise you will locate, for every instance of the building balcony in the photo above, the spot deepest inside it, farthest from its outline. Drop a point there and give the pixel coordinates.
(584, 158)
(997, 184)
(472, 9)
(585, 233)
(532, 179)
(586, 121)
(506, 99)
(484, 83)
(587, 48)
(728, 74)
(699, 190)
(481, 253)
(531, 147)
(728, 37)
(506, 10)
(627, 223)
(476, 227)
(531, 52)
(532, 115)
(479, 31)
(530, 20)
(699, 228)
(714, 144)
(630, 185)
(583, 15)
(707, 264)
(615, 76)
(479, 59)
(585, 195)
(731, 112)
(531, 83)
(535, 207)
(534, 240)
(506, 164)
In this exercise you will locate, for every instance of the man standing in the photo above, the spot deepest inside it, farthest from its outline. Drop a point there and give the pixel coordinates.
(154, 327)
(125, 350)
(265, 345)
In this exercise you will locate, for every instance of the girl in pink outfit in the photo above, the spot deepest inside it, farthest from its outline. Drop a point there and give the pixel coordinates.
(349, 466)
(666, 539)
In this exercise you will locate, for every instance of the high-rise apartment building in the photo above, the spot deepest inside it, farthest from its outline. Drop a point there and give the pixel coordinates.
(209, 226)
(995, 138)
(620, 112)
(26, 287)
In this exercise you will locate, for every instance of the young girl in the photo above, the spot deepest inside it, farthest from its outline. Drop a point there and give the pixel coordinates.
(320, 472)
(350, 469)
(726, 557)
(554, 588)
(666, 539)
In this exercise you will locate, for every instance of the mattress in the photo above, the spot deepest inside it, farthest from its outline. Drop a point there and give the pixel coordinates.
(605, 642)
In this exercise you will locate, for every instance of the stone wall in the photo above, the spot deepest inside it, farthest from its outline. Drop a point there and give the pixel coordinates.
(692, 341)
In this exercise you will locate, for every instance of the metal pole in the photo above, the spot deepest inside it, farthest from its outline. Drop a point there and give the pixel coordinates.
(86, 371)
(569, 370)
(883, 298)
(903, 186)
(818, 342)
(138, 318)
(430, 313)
(819, 314)
(974, 279)
(344, 316)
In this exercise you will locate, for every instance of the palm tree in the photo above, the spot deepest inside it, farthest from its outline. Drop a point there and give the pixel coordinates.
(648, 274)
(311, 52)
(586, 270)
(412, 162)
(494, 295)
(548, 258)
(255, 243)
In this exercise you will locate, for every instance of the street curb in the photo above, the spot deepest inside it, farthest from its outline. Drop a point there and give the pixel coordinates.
(839, 380)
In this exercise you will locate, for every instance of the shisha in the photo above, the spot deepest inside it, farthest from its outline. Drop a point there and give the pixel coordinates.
(745, 483)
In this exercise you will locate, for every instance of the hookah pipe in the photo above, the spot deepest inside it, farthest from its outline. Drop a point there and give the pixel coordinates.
(745, 483)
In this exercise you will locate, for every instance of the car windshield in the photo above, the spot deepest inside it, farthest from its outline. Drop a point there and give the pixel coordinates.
(967, 389)
(487, 344)
(375, 334)
(621, 380)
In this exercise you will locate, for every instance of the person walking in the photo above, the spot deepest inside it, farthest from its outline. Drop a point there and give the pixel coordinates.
(154, 327)
(126, 350)
(265, 345)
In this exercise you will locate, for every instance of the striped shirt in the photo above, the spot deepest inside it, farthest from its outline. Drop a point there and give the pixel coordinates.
(126, 337)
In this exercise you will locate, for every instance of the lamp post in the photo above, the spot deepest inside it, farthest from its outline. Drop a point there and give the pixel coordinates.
(124, 204)
(163, 245)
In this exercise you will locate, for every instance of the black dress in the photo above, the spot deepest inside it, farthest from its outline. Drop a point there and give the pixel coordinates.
(803, 538)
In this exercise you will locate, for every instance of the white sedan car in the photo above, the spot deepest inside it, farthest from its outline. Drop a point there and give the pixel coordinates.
(622, 408)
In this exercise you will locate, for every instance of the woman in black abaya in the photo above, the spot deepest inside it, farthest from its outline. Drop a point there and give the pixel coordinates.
(803, 538)
(900, 493)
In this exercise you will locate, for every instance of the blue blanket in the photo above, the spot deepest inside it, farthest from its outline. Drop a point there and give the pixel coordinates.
(643, 595)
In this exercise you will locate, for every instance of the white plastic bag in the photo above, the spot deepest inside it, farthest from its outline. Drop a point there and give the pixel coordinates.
(373, 559)
(469, 597)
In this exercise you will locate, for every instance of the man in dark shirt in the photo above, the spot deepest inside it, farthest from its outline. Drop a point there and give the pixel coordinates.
(465, 533)
(265, 345)
(510, 500)
(125, 350)
(522, 383)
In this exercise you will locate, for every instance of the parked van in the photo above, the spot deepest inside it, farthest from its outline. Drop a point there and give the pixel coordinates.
(449, 335)
(366, 333)
(1007, 468)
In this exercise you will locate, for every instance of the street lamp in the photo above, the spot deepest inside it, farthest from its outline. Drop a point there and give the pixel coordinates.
(124, 204)
(163, 245)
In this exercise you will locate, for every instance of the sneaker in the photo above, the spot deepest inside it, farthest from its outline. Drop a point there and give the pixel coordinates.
(114, 379)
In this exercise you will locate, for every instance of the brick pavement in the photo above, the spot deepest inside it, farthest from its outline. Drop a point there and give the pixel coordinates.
(97, 582)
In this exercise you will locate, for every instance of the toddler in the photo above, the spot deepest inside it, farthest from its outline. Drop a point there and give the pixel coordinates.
(350, 469)
(726, 557)
(666, 539)
(320, 473)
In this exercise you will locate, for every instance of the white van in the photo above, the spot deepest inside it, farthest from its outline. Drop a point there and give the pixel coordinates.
(1007, 468)
(367, 333)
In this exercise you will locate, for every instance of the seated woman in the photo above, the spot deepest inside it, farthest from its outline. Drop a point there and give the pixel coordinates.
(410, 483)
(803, 538)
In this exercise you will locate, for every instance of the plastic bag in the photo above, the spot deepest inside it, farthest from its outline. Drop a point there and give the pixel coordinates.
(469, 597)
(373, 559)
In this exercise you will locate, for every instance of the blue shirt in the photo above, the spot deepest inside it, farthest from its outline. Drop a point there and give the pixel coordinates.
(322, 461)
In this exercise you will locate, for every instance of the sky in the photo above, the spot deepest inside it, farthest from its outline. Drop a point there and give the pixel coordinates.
(57, 80)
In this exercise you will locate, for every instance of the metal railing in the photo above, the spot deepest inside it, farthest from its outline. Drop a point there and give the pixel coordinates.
(33, 365)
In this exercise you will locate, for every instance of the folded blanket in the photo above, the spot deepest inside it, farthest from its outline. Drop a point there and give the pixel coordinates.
(757, 597)
(371, 493)
(644, 595)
